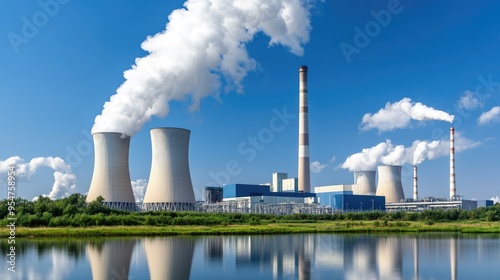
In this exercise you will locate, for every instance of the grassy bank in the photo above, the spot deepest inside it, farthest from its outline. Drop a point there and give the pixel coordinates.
(269, 228)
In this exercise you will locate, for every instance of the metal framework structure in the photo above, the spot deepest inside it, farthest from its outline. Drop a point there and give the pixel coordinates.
(245, 207)
(168, 206)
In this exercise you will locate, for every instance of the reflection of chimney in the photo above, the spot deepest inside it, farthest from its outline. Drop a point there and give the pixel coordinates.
(415, 258)
(415, 183)
(452, 164)
(111, 177)
(453, 258)
(304, 168)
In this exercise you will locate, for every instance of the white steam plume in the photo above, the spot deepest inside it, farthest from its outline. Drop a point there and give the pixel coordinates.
(419, 151)
(490, 116)
(495, 199)
(139, 188)
(317, 167)
(399, 115)
(202, 42)
(64, 179)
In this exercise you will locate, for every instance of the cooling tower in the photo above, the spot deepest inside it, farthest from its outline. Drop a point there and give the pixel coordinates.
(452, 164)
(364, 183)
(389, 183)
(169, 186)
(304, 176)
(111, 178)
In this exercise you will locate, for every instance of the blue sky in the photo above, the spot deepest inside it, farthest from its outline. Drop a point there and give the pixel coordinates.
(55, 83)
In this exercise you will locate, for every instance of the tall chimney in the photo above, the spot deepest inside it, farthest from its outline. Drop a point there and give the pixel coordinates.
(415, 183)
(452, 164)
(304, 169)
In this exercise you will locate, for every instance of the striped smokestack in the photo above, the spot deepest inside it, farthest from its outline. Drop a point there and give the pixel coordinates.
(452, 164)
(415, 183)
(304, 169)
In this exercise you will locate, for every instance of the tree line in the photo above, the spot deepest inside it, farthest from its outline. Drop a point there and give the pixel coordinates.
(73, 211)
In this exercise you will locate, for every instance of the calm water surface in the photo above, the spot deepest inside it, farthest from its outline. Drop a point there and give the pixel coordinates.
(300, 256)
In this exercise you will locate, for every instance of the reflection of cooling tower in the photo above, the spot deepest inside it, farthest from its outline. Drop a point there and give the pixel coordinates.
(390, 258)
(364, 183)
(169, 258)
(169, 186)
(111, 260)
(111, 178)
(389, 183)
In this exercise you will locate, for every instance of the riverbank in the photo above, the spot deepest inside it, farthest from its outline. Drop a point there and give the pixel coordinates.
(269, 228)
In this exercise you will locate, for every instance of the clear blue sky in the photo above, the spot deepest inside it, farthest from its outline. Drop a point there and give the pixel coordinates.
(55, 83)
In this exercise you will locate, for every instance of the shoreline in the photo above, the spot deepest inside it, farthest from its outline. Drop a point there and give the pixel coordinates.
(269, 228)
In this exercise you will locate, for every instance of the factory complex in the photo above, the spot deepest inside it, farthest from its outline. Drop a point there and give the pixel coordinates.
(170, 188)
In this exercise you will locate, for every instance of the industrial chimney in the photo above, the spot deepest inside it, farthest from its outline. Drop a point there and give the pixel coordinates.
(389, 183)
(169, 186)
(415, 183)
(111, 177)
(452, 164)
(304, 180)
(364, 182)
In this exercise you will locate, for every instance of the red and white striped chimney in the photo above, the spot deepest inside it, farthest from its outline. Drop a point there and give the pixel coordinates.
(415, 184)
(304, 177)
(452, 164)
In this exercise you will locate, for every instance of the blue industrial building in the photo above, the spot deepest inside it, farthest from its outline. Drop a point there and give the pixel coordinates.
(484, 203)
(246, 190)
(347, 201)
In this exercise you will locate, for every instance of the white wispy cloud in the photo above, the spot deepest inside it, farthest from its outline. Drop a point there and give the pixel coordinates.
(469, 101)
(317, 167)
(139, 188)
(491, 116)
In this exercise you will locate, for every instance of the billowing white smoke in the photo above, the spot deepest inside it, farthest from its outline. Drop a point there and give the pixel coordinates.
(202, 42)
(387, 153)
(64, 179)
(495, 199)
(399, 115)
(139, 188)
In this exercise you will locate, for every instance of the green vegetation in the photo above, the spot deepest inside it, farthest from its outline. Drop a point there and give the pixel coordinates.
(67, 217)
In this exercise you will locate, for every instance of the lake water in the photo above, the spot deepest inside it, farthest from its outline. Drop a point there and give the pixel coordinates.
(298, 256)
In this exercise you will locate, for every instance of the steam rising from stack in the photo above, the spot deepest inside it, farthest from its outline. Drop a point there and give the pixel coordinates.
(202, 42)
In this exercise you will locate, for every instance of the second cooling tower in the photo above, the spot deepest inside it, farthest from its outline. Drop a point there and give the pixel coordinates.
(389, 183)
(364, 183)
(169, 186)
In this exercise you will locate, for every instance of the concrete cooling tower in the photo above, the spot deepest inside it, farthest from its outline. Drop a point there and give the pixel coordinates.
(111, 178)
(169, 186)
(389, 183)
(364, 183)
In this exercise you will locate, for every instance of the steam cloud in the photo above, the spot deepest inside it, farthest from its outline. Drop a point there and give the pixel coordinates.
(64, 179)
(139, 188)
(399, 115)
(419, 151)
(317, 167)
(490, 116)
(202, 42)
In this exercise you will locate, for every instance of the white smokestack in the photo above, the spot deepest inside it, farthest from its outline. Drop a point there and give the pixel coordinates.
(415, 183)
(452, 164)
(202, 49)
(111, 177)
(169, 186)
(304, 175)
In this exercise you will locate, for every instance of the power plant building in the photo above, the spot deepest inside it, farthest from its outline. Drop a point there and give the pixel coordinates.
(262, 194)
(169, 186)
(342, 198)
(111, 177)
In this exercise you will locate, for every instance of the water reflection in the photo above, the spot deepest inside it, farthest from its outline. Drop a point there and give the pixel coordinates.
(110, 259)
(297, 256)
